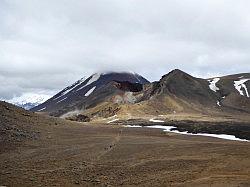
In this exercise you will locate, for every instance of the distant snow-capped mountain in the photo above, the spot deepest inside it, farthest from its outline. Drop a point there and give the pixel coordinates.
(29, 100)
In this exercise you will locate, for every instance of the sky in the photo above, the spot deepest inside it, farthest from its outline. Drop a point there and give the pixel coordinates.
(45, 45)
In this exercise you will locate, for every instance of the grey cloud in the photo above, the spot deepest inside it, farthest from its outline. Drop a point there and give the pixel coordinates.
(46, 45)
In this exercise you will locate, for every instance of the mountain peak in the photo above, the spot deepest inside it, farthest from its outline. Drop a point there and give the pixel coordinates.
(176, 71)
(29, 100)
(176, 74)
(115, 72)
(79, 94)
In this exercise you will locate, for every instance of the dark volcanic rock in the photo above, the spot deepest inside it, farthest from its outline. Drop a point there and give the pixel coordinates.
(79, 118)
(129, 87)
(238, 129)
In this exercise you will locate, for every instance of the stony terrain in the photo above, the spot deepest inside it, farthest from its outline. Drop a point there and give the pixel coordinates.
(55, 152)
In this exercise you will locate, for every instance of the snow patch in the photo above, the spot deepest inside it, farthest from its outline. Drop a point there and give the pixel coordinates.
(156, 121)
(90, 91)
(239, 85)
(70, 88)
(169, 129)
(42, 109)
(133, 126)
(218, 103)
(212, 85)
(113, 120)
(137, 77)
(62, 100)
(94, 78)
(113, 116)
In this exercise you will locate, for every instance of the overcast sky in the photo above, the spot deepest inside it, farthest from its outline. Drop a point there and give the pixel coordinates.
(47, 44)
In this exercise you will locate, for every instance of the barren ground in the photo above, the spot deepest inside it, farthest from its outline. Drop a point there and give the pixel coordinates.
(74, 154)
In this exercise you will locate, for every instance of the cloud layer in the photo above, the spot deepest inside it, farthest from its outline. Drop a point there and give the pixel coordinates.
(46, 45)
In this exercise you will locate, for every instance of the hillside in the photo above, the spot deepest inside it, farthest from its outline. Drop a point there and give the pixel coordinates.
(179, 92)
(87, 93)
(132, 96)
(38, 150)
(18, 125)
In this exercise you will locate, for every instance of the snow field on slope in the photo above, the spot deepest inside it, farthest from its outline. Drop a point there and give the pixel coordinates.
(94, 78)
(239, 85)
(90, 91)
(212, 84)
(70, 88)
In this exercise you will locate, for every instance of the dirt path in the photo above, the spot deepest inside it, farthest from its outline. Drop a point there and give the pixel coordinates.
(110, 146)
(84, 155)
